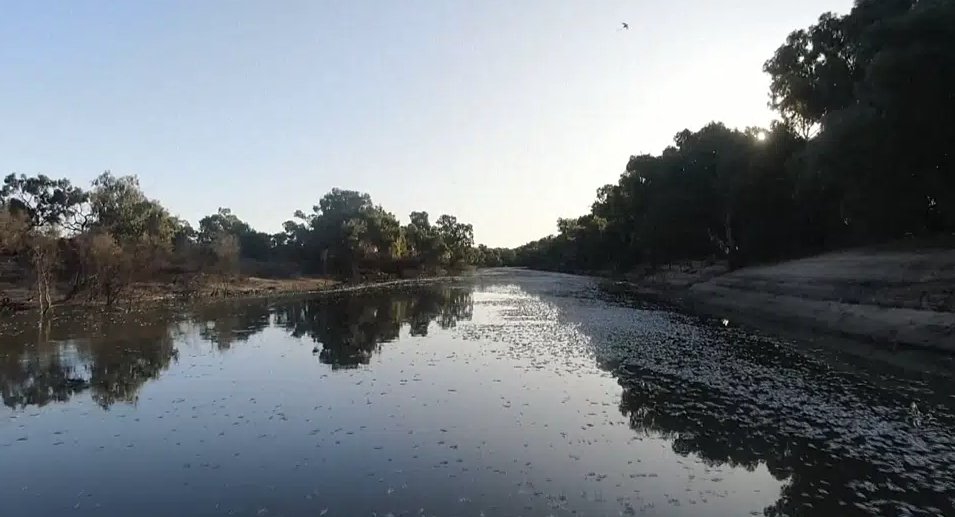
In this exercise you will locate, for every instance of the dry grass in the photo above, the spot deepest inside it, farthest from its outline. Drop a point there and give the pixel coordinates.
(253, 286)
(22, 297)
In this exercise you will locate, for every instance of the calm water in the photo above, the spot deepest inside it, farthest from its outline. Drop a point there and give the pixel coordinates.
(514, 393)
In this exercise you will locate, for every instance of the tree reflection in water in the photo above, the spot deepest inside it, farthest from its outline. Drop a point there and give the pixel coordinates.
(864, 459)
(113, 355)
(351, 326)
(840, 440)
(226, 323)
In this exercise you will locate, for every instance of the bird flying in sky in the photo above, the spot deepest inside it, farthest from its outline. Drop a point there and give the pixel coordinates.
(625, 25)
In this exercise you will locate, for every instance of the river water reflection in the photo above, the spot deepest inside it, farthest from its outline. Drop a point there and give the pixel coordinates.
(512, 393)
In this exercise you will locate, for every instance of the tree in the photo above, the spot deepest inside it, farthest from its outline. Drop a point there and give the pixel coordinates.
(715, 192)
(225, 249)
(334, 231)
(885, 139)
(43, 254)
(424, 244)
(109, 266)
(45, 202)
(252, 244)
(862, 154)
(579, 244)
(813, 73)
(184, 234)
(121, 209)
(13, 231)
(457, 238)
(34, 211)
(345, 230)
(491, 257)
(382, 237)
(120, 237)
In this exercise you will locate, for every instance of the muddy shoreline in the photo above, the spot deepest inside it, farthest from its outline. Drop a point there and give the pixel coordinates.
(894, 300)
(248, 288)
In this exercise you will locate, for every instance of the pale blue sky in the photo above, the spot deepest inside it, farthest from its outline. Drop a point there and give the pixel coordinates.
(506, 113)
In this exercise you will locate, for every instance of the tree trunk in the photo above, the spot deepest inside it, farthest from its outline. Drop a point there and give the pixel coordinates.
(732, 254)
(39, 291)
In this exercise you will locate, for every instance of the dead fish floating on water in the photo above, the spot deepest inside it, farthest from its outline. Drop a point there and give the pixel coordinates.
(915, 414)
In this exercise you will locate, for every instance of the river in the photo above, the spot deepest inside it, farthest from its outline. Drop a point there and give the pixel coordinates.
(510, 393)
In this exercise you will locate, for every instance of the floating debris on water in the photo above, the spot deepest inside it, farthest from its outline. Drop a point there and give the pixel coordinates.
(510, 394)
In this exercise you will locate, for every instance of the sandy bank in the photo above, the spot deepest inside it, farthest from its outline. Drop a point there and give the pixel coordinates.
(889, 297)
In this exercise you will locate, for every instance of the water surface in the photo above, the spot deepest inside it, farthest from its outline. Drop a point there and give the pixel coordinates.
(513, 393)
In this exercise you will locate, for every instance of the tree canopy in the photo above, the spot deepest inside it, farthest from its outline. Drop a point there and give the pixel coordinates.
(44, 201)
(105, 239)
(863, 153)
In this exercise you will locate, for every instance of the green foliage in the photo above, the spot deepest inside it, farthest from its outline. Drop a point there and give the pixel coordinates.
(346, 233)
(251, 244)
(456, 237)
(116, 236)
(343, 232)
(121, 209)
(484, 256)
(863, 154)
(43, 201)
(813, 73)
(422, 242)
(883, 155)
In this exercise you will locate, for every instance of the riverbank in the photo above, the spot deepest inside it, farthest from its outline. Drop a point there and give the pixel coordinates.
(19, 298)
(895, 298)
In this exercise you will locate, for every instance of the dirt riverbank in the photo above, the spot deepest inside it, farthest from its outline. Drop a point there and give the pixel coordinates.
(20, 297)
(894, 298)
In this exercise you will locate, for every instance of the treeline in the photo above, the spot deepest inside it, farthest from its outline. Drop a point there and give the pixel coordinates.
(98, 242)
(863, 153)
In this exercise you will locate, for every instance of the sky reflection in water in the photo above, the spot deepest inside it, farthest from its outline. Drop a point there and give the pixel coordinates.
(500, 395)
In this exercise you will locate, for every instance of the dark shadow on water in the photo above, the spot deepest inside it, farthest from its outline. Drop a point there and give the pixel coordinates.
(849, 437)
